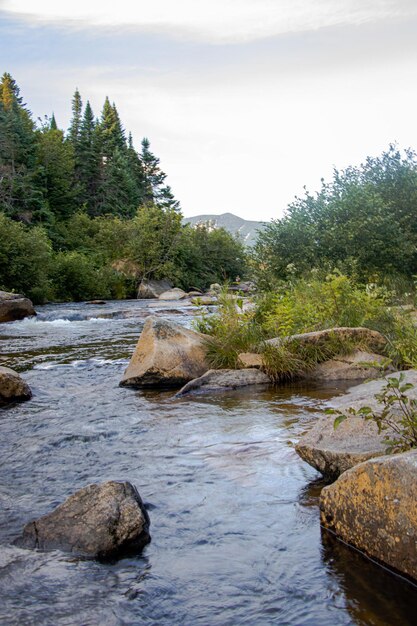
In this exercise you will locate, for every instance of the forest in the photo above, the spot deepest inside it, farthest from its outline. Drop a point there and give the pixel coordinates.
(83, 214)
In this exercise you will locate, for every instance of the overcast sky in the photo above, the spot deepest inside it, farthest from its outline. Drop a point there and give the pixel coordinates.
(244, 101)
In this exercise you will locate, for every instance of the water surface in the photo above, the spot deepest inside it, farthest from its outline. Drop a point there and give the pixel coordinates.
(234, 511)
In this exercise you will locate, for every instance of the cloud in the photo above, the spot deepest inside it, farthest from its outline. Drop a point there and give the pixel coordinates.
(211, 21)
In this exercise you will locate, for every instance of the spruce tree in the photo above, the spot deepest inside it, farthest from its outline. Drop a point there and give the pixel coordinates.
(75, 125)
(89, 155)
(154, 190)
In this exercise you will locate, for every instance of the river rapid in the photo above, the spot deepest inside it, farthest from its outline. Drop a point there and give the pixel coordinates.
(234, 512)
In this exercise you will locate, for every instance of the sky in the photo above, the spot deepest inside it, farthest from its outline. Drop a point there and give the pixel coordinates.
(245, 102)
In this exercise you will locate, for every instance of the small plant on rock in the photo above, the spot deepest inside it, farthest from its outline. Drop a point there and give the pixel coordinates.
(398, 415)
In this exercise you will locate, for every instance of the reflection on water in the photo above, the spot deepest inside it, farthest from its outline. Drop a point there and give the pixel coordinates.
(235, 525)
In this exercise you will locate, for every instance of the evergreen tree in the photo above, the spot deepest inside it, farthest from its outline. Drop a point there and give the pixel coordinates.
(53, 125)
(75, 125)
(154, 190)
(89, 160)
(112, 135)
(21, 193)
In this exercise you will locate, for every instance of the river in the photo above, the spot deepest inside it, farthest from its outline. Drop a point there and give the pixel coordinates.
(234, 512)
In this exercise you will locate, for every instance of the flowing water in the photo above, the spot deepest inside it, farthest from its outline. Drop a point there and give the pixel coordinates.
(234, 512)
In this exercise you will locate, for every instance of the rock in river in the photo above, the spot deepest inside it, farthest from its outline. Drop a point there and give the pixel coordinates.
(173, 294)
(220, 380)
(152, 288)
(12, 386)
(166, 355)
(333, 451)
(372, 339)
(99, 521)
(14, 307)
(373, 507)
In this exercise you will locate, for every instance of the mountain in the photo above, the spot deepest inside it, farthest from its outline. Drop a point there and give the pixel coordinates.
(246, 229)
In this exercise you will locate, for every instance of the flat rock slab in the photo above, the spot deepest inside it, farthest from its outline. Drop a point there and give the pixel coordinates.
(333, 451)
(221, 380)
(98, 521)
(166, 355)
(14, 307)
(374, 508)
(173, 294)
(13, 387)
(347, 367)
(373, 340)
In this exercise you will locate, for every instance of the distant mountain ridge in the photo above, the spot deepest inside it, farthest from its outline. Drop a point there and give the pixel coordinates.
(246, 229)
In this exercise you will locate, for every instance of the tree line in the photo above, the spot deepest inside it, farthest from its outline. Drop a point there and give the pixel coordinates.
(83, 214)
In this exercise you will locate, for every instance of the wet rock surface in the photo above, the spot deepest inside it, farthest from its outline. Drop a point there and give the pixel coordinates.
(220, 380)
(166, 355)
(98, 521)
(373, 507)
(333, 451)
(14, 307)
(13, 387)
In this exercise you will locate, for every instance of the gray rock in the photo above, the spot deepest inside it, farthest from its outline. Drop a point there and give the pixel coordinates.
(373, 507)
(153, 288)
(12, 386)
(14, 307)
(166, 355)
(221, 380)
(373, 340)
(205, 301)
(173, 294)
(99, 521)
(333, 451)
(346, 367)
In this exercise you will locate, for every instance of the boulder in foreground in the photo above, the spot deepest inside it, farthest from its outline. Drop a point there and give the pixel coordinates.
(166, 355)
(373, 507)
(220, 380)
(98, 521)
(333, 451)
(14, 307)
(12, 386)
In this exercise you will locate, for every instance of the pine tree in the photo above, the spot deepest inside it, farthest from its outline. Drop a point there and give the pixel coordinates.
(53, 125)
(89, 155)
(75, 125)
(111, 130)
(154, 190)
(21, 192)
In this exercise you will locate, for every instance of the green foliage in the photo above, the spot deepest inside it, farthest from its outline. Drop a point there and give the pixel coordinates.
(230, 332)
(363, 222)
(25, 259)
(307, 305)
(398, 415)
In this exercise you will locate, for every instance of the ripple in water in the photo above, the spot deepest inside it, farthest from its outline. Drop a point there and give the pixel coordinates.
(235, 525)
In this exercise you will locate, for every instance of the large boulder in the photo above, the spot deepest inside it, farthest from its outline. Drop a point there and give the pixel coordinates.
(173, 294)
(166, 355)
(98, 521)
(12, 386)
(221, 380)
(373, 507)
(152, 288)
(331, 450)
(13, 307)
(372, 339)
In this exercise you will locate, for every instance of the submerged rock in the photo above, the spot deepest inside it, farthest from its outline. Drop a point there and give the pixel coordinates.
(166, 355)
(12, 386)
(331, 450)
(173, 294)
(152, 288)
(99, 521)
(220, 380)
(373, 507)
(14, 307)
